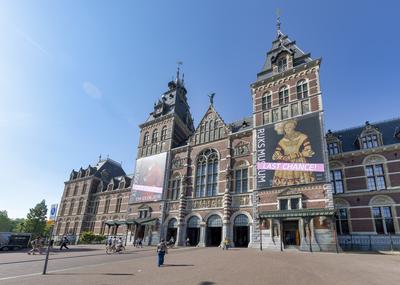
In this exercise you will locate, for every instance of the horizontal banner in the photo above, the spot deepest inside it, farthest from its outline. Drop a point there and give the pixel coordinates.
(153, 189)
(312, 167)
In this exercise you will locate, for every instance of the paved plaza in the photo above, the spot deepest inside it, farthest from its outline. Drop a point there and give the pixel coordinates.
(90, 265)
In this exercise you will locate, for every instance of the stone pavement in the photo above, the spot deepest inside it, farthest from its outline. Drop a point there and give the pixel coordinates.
(207, 266)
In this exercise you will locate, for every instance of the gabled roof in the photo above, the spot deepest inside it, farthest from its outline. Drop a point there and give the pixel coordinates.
(242, 125)
(389, 129)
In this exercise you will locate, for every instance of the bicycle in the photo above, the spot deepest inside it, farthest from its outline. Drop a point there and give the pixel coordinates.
(113, 249)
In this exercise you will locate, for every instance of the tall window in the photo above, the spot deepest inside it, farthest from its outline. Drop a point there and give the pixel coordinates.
(266, 118)
(66, 229)
(337, 181)
(164, 133)
(369, 141)
(285, 112)
(275, 115)
(266, 102)
(67, 192)
(241, 180)
(71, 207)
(154, 136)
(102, 227)
(342, 222)
(289, 204)
(96, 207)
(80, 206)
(107, 205)
(302, 89)
(383, 220)
(295, 109)
(118, 206)
(207, 174)
(282, 64)
(283, 95)
(305, 106)
(175, 188)
(333, 148)
(375, 177)
(146, 138)
(84, 189)
(75, 190)
(63, 209)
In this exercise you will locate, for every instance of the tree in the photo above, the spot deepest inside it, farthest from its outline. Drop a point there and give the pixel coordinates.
(35, 222)
(5, 222)
(17, 225)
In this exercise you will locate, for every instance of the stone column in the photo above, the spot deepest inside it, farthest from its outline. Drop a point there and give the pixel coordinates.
(227, 200)
(202, 241)
(181, 237)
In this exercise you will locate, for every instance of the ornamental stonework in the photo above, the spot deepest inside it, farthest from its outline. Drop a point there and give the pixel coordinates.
(205, 203)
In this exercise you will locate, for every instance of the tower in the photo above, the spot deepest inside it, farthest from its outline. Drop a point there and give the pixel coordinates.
(168, 126)
(294, 193)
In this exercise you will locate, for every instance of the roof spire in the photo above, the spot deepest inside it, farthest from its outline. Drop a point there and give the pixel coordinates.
(179, 63)
(278, 22)
(100, 157)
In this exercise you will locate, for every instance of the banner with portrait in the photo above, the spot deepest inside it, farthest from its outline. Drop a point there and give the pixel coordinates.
(148, 180)
(290, 152)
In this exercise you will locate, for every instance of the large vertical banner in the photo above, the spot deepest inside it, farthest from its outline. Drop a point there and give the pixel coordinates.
(149, 178)
(290, 152)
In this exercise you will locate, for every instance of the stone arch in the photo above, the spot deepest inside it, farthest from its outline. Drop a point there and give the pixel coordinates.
(374, 159)
(237, 213)
(188, 217)
(335, 164)
(381, 200)
(341, 203)
(211, 214)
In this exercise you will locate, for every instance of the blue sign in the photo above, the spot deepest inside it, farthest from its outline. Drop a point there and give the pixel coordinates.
(53, 212)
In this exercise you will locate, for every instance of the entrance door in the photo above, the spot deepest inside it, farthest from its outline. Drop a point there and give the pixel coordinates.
(241, 231)
(172, 230)
(291, 235)
(193, 231)
(140, 232)
(214, 231)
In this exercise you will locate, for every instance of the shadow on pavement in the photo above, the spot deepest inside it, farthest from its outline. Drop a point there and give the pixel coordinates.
(87, 273)
(171, 265)
(206, 283)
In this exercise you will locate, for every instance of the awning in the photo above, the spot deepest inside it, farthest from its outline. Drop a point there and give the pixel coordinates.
(298, 213)
(147, 221)
(110, 223)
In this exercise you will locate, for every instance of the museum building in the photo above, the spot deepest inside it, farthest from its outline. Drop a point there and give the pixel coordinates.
(271, 180)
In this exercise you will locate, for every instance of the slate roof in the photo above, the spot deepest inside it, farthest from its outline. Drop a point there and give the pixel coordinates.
(280, 44)
(390, 130)
(242, 125)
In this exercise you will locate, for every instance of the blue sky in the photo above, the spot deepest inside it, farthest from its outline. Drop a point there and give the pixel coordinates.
(78, 77)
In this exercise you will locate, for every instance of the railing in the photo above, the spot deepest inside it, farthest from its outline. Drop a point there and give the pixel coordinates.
(369, 242)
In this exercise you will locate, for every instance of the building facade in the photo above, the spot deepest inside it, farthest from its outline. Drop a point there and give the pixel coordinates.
(271, 180)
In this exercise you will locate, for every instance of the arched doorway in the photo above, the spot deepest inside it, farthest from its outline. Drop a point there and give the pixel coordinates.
(214, 231)
(172, 229)
(193, 230)
(241, 231)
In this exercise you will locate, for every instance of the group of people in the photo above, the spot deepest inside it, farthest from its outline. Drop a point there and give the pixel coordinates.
(37, 244)
(138, 242)
(114, 243)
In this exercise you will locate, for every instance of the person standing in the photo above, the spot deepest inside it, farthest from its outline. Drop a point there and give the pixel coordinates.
(161, 251)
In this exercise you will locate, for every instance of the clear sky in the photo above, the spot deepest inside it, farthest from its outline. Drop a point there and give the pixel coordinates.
(78, 77)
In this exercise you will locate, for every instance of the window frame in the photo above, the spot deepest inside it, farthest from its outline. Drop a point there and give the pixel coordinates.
(206, 181)
(334, 181)
(240, 181)
(375, 177)
(302, 89)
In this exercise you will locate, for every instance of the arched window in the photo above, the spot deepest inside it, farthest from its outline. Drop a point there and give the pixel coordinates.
(175, 188)
(107, 205)
(154, 136)
(194, 222)
(146, 138)
(241, 178)
(63, 209)
(241, 221)
(67, 192)
(382, 213)
(214, 221)
(71, 207)
(66, 229)
(302, 89)
(96, 207)
(282, 64)
(164, 133)
(207, 174)
(75, 190)
(118, 206)
(283, 95)
(80, 206)
(84, 189)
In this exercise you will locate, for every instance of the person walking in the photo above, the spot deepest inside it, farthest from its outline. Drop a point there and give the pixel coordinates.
(34, 244)
(64, 242)
(161, 251)
(187, 241)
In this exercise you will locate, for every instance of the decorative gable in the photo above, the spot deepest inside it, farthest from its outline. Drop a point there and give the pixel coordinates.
(211, 128)
(370, 137)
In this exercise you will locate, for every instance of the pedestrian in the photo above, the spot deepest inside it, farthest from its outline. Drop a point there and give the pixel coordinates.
(187, 241)
(51, 243)
(40, 245)
(140, 243)
(134, 242)
(64, 242)
(161, 251)
(34, 244)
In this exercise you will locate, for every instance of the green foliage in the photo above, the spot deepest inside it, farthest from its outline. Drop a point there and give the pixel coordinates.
(17, 225)
(5, 222)
(35, 222)
(89, 237)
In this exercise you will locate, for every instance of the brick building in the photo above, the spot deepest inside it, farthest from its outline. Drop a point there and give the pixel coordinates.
(271, 180)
